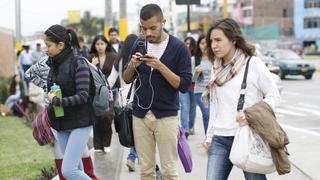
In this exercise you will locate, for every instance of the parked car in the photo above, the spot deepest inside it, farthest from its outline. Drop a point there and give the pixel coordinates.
(291, 64)
(270, 62)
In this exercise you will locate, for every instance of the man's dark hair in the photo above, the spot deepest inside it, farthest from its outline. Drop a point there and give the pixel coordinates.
(111, 30)
(150, 10)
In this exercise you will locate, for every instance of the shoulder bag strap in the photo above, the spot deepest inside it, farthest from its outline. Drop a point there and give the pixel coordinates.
(243, 87)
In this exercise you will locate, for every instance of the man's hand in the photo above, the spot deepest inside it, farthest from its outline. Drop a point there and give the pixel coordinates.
(152, 61)
(135, 60)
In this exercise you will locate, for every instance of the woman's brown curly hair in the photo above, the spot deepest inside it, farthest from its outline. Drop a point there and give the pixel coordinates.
(232, 31)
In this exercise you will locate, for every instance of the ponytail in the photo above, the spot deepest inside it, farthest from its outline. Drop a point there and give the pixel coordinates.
(72, 39)
(58, 33)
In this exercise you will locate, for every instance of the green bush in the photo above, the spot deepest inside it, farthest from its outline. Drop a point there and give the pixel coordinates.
(4, 88)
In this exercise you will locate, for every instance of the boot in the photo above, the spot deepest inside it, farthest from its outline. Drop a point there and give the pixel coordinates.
(58, 166)
(88, 167)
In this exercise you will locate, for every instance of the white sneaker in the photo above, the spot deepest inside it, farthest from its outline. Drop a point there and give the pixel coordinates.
(107, 149)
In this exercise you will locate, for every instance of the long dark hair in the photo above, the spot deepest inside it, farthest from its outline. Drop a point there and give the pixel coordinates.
(198, 53)
(58, 33)
(192, 46)
(125, 51)
(93, 49)
(232, 30)
(13, 85)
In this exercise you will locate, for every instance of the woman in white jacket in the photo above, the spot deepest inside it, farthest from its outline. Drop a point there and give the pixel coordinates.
(229, 53)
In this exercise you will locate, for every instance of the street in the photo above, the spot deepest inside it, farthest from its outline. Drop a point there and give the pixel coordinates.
(300, 106)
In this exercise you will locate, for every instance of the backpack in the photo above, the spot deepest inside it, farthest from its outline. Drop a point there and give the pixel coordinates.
(101, 92)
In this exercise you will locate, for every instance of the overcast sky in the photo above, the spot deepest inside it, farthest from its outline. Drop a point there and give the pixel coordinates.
(38, 15)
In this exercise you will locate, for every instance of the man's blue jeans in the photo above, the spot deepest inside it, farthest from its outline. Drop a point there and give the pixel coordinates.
(132, 154)
(188, 110)
(204, 110)
(219, 166)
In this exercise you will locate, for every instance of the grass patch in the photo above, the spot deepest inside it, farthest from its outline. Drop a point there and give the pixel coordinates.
(20, 155)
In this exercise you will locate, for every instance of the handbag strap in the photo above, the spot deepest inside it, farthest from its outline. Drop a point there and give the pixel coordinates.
(243, 87)
(129, 93)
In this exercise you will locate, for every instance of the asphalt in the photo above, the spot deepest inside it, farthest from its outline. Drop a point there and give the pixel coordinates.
(304, 151)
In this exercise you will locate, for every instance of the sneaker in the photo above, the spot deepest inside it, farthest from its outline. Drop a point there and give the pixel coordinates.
(191, 131)
(131, 166)
(158, 175)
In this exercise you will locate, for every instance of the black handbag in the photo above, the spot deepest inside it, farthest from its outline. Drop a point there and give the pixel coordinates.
(123, 122)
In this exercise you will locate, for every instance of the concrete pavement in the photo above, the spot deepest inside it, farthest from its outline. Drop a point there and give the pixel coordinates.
(304, 148)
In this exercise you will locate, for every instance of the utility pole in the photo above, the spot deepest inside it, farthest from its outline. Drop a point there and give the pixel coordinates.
(225, 8)
(18, 24)
(188, 16)
(108, 17)
(123, 22)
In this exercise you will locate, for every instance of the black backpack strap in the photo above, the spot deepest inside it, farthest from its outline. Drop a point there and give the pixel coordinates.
(243, 87)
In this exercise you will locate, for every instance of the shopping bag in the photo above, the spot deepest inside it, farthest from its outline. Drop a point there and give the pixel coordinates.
(250, 152)
(184, 151)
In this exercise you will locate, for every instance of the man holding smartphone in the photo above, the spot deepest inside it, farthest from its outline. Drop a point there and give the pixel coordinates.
(164, 70)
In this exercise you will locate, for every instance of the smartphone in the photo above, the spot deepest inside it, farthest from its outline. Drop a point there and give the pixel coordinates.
(144, 56)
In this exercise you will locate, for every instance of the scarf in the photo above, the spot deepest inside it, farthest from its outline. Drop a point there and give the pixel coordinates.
(223, 73)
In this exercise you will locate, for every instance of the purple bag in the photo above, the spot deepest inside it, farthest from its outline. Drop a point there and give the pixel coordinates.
(184, 151)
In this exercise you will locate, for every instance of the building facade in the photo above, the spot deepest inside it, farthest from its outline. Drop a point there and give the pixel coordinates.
(255, 13)
(307, 22)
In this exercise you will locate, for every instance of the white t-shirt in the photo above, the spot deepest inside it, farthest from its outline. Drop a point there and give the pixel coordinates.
(157, 49)
(224, 99)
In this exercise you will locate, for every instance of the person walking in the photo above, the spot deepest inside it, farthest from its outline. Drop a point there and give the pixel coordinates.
(72, 74)
(202, 76)
(38, 74)
(187, 100)
(38, 54)
(103, 58)
(229, 53)
(116, 45)
(163, 71)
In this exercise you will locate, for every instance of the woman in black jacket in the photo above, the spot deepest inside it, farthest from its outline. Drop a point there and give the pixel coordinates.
(72, 74)
(102, 57)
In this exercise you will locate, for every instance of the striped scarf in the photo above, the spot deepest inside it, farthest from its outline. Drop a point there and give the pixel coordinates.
(223, 74)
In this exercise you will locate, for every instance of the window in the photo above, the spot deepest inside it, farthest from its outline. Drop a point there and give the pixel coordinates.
(284, 13)
(312, 23)
(247, 13)
(311, 4)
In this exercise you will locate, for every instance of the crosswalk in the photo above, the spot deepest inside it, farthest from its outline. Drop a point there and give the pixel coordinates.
(299, 109)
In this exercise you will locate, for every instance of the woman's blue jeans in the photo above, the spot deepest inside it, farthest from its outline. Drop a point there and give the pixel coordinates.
(204, 110)
(219, 166)
(73, 143)
(188, 109)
